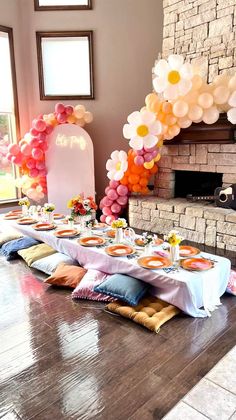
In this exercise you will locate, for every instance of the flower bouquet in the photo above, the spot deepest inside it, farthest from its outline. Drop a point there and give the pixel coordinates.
(48, 209)
(24, 203)
(119, 225)
(174, 239)
(82, 208)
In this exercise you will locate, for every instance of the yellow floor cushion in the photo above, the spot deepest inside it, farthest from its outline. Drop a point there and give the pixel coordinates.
(36, 252)
(151, 312)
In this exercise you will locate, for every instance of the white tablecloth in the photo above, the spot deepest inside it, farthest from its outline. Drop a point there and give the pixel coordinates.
(189, 291)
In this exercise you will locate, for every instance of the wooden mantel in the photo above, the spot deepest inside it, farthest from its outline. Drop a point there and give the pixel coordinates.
(221, 132)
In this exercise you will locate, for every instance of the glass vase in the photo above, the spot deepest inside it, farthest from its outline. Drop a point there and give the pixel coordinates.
(119, 235)
(24, 210)
(148, 249)
(50, 217)
(174, 253)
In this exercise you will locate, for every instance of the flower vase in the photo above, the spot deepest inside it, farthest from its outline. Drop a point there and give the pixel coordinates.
(174, 253)
(119, 235)
(50, 217)
(24, 210)
(148, 249)
(71, 224)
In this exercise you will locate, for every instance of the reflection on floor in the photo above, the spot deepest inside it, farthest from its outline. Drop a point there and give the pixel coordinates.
(63, 360)
(213, 397)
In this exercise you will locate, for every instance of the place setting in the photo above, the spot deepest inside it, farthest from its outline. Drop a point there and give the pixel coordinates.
(41, 226)
(67, 233)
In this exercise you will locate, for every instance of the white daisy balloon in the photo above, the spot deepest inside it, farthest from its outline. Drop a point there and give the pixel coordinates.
(117, 165)
(173, 77)
(142, 129)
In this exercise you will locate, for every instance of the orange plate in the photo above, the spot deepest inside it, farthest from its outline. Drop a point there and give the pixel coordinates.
(12, 216)
(26, 221)
(119, 250)
(100, 226)
(44, 226)
(196, 264)
(91, 241)
(58, 216)
(66, 233)
(111, 233)
(154, 263)
(188, 251)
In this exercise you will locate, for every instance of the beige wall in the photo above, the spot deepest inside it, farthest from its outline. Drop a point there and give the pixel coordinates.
(127, 39)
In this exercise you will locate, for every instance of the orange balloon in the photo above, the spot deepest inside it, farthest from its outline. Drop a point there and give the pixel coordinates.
(166, 107)
(143, 182)
(133, 179)
(161, 116)
(154, 170)
(124, 181)
(152, 102)
(136, 188)
(135, 169)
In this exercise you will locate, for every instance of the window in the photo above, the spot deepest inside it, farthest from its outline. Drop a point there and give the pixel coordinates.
(62, 4)
(65, 65)
(9, 120)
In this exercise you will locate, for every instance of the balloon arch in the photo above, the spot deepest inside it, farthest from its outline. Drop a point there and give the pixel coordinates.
(180, 97)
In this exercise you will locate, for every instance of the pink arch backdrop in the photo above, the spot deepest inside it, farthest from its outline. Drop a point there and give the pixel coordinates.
(180, 97)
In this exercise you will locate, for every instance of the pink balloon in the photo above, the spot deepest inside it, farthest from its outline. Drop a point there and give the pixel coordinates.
(40, 164)
(43, 172)
(110, 219)
(122, 200)
(9, 156)
(33, 173)
(101, 204)
(107, 211)
(103, 218)
(122, 190)
(138, 160)
(154, 153)
(26, 149)
(107, 190)
(149, 149)
(37, 153)
(69, 109)
(30, 163)
(112, 194)
(140, 152)
(40, 125)
(14, 149)
(62, 118)
(34, 142)
(49, 128)
(107, 202)
(42, 136)
(59, 108)
(115, 208)
(17, 159)
(43, 145)
(34, 132)
(148, 157)
(114, 184)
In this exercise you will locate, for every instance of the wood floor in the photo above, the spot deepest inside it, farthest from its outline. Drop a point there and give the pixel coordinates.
(62, 360)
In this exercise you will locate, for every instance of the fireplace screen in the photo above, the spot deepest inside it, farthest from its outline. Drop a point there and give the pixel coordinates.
(196, 183)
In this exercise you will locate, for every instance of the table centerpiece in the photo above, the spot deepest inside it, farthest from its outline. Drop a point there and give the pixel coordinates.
(82, 209)
(118, 225)
(24, 203)
(174, 239)
(48, 210)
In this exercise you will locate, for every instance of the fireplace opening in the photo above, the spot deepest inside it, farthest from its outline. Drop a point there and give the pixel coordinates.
(196, 183)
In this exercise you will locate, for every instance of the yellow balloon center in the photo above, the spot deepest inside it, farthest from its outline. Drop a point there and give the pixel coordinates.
(118, 166)
(173, 77)
(142, 130)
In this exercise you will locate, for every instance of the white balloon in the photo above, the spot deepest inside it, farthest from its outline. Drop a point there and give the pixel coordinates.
(231, 115)
(211, 115)
(195, 112)
(184, 122)
(180, 108)
(232, 99)
(221, 94)
(205, 100)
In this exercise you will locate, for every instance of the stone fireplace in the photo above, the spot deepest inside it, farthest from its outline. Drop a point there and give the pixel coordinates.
(199, 159)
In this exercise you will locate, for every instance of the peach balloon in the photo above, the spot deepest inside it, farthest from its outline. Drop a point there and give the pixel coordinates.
(196, 82)
(180, 108)
(211, 115)
(232, 83)
(221, 94)
(166, 107)
(174, 130)
(195, 112)
(170, 119)
(205, 100)
(184, 122)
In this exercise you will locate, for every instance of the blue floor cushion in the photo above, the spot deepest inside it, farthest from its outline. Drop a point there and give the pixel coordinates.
(10, 249)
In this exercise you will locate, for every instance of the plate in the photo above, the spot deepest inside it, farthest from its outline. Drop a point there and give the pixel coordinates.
(91, 241)
(119, 250)
(188, 251)
(44, 226)
(26, 221)
(9, 216)
(154, 263)
(66, 233)
(197, 264)
(139, 242)
(58, 216)
(111, 233)
(99, 226)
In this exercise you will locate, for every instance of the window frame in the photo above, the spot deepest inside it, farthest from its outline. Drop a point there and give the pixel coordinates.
(39, 8)
(9, 31)
(64, 34)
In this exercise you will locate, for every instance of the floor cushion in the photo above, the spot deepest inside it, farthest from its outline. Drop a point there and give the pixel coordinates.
(10, 249)
(231, 286)
(66, 275)
(151, 312)
(7, 237)
(36, 252)
(49, 264)
(84, 290)
(125, 288)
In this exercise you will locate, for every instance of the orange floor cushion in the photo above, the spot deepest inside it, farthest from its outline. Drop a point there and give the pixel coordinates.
(151, 312)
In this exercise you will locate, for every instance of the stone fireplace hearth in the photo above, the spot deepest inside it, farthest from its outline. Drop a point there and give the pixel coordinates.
(200, 222)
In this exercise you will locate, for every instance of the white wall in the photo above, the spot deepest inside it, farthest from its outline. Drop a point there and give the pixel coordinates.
(127, 39)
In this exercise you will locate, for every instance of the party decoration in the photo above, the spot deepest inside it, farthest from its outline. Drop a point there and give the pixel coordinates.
(117, 165)
(142, 129)
(29, 153)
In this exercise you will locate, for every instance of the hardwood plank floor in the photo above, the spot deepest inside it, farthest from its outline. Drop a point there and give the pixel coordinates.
(70, 360)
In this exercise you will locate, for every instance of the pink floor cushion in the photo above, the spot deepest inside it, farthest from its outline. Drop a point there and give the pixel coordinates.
(84, 290)
(231, 287)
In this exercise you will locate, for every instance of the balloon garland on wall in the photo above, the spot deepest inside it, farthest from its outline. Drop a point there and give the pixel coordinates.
(180, 97)
(29, 153)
